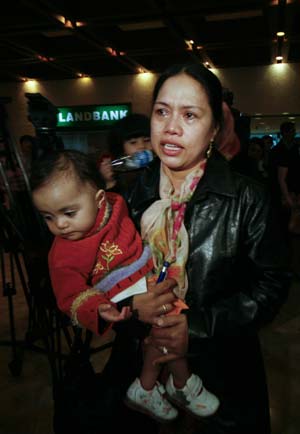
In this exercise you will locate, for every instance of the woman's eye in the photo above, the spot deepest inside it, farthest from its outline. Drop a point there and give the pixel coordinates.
(161, 112)
(47, 217)
(190, 115)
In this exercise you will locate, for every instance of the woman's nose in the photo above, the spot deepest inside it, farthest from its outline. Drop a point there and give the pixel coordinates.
(173, 125)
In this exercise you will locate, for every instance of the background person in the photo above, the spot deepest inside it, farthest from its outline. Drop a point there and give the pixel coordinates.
(126, 137)
(289, 185)
(29, 151)
(280, 153)
(237, 276)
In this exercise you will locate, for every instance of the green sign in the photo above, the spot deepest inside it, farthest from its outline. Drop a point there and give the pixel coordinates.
(91, 116)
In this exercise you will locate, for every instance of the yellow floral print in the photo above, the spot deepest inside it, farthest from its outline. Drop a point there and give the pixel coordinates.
(111, 250)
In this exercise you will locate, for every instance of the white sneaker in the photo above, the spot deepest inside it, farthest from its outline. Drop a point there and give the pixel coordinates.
(150, 402)
(193, 397)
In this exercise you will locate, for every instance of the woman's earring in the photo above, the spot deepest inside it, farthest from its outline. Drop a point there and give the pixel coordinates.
(209, 149)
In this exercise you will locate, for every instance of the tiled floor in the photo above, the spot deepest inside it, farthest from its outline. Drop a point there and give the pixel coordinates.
(26, 400)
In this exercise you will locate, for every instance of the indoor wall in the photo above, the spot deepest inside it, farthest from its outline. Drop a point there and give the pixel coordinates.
(272, 89)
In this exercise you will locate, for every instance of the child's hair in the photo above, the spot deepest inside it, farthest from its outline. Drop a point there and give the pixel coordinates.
(132, 126)
(65, 161)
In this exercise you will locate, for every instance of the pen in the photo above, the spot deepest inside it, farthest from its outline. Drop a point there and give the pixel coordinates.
(163, 272)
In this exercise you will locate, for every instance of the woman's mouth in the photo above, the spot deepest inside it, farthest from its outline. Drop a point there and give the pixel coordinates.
(171, 148)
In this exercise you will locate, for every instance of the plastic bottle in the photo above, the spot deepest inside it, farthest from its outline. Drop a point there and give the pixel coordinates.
(135, 161)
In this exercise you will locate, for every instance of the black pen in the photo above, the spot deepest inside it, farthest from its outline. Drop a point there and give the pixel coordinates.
(163, 272)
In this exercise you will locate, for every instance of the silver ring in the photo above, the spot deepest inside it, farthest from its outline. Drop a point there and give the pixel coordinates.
(164, 308)
(165, 350)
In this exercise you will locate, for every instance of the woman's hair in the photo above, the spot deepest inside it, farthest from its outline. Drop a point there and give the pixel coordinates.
(132, 126)
(64, 162)
(205, 77)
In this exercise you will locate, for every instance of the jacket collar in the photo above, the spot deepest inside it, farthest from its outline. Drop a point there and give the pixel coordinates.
(217, 178)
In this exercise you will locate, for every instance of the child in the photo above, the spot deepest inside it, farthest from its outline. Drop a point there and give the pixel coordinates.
(98, 259)
(127, 136)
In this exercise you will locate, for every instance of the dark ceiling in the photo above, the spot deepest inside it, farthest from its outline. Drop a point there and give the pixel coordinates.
(58, 39)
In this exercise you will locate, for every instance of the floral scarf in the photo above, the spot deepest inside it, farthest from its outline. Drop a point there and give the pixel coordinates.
(162, 226)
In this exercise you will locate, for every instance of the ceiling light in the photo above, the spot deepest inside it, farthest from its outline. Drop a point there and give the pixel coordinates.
(276, 2)
(31, 84)
(111, 51)
(65, 21)
(68, 24)
(280, 34)
(80, 24)
(43, 58)
(189, 43)
(60, 18)
(142, 70)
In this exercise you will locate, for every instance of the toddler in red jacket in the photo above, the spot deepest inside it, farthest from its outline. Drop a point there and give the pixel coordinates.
(98, 259)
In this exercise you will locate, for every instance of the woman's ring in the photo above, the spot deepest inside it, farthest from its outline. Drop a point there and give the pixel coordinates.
(164, 308)
(164, 350)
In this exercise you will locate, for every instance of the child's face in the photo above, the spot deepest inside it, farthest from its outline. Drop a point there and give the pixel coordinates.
(136, 144)
(68, 206)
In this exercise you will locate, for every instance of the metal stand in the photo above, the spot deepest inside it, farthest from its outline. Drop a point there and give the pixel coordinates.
(25, 242)
(45, 323)
(11, 247)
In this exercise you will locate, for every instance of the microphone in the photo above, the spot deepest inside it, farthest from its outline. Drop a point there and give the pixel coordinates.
(131, 162)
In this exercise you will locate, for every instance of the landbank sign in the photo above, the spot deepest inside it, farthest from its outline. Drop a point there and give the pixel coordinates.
(91, 116)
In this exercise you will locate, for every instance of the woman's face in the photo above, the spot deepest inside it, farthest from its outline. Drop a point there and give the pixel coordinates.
(182, 123)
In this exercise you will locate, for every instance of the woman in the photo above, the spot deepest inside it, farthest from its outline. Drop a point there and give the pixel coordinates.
(236, 274)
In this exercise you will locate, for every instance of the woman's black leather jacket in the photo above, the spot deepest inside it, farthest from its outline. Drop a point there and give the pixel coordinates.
(237, 266)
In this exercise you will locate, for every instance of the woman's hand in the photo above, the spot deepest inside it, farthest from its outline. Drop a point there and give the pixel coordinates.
(157, 301)
(170, 336)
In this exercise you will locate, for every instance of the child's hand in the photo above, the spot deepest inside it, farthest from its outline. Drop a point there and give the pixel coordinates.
(106, 170)
(110, 314)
